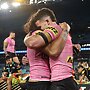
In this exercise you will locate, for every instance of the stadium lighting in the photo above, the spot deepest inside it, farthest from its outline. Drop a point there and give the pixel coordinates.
(18, 52)
(16, 4)
(4, 6)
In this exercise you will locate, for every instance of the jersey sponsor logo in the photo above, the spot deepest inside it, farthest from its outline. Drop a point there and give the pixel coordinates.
(70, 59)
(55, 31)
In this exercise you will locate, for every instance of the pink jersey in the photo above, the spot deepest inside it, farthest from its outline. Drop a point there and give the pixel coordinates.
(11, 45)
(61, 67)
(39, 65)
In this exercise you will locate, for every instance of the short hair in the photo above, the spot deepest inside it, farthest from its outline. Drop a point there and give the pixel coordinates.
(44, 12)
(12, 32)
(31, 26)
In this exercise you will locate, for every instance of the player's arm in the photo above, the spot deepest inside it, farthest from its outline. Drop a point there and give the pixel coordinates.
(5, 44)
(41, 38)
(55, 48)
(37, 41)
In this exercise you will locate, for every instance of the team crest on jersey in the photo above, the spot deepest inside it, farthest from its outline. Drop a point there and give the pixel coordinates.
(70, 59)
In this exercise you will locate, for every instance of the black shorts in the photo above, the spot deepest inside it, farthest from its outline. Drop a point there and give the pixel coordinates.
(11, 54)
(66, 84)
(41, 85)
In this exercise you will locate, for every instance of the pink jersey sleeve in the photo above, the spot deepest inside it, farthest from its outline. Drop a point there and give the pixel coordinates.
(54, 31)
(6, 40)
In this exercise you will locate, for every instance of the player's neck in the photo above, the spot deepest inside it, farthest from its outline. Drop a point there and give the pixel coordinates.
(10, 37)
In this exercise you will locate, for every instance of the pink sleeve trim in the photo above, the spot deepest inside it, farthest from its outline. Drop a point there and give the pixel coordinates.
(51, 34)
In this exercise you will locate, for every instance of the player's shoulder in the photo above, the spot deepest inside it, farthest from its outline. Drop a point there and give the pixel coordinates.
(6, 39)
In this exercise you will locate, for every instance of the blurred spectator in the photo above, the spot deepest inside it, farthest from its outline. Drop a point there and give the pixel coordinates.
(25, 60)
(81, 74)
(25, 65)
(11, 72)
(25, 72)
(85, 64)
(11, 66)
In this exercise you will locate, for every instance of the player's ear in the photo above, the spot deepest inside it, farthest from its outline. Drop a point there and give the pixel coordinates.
(37, 23)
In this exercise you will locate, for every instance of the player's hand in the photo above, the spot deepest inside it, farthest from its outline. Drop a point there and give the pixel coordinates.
(77, 46)
(26, 37)
(65, 26)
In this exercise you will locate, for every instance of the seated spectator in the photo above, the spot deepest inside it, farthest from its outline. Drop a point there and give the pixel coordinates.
(11, 72)
(81, 74)
(25, 65)
(25, 72)
(25, 68)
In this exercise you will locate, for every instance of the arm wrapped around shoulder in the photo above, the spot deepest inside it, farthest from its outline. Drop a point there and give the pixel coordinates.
(39, 32)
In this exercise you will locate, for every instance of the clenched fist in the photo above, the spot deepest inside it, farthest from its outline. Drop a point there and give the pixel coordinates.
(65, 26)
